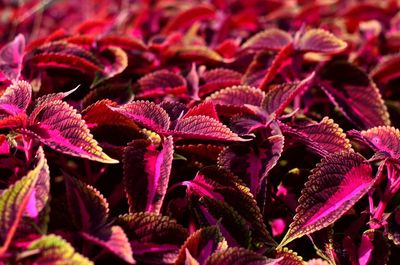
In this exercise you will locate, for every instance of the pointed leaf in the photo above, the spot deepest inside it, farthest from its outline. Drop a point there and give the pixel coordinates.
(201, 244)
(354, 94)
(232, 225)
(253, 163)
(55, 250)
(147, 114)
(115, 240)
(387, 69)
(89, 209)
(218, 78)
(204, 128)
(146, 174)
(280, 96)
(324, 138)
(319, 40)
(195, 53)
(16, 98)
(17, 200)
(116, 65)
(239, 256)
(374, 248)
(206, 109)
(60, 127)
(336, 184)
(269, 39)
(11, 56)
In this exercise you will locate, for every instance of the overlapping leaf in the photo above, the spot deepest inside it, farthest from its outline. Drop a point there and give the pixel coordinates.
(374, 248)
(60, 127)
(237, 96)
(239, 256)
(336, 184)
(21, 198)
(384, 139)
(161, 82)
(11, 55)
(319, 40)
(147, 114)
(324, 137)
(269, 39)
(16, 98)
(204, 128)
(53, 249)
(146, 174)
(201, 244)
(354, 94)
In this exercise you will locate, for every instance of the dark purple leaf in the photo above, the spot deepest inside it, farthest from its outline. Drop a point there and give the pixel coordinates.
(351, 90)
(146, 174)
(239, 256)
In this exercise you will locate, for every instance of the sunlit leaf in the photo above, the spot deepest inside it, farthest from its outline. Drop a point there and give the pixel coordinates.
(59, 126)
(336, 184)
(269, 39)
(319, 40)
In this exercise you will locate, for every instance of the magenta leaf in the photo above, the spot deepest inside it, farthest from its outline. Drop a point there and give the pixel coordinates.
(20, 198)
(280, 96)
(201, 244)
(336, 184)
(324, 137)
(204, 128)
(11, 56)
(146, 174)
(269, 39)
(16, 98)
(319, 40)
(252, 163)
(374, 248)
(60, 127)
(239, 256)
(147, 114)
(351, 90)
(383, 139)
(52, 249)
(115, 240)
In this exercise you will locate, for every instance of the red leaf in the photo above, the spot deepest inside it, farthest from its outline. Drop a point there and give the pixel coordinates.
(206, 109)
(319, 40)
(269, 39)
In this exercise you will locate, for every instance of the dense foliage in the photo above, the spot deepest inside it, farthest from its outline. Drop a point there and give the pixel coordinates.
(199, 132)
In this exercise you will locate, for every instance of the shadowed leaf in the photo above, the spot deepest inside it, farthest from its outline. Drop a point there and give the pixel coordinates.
(238, 256)
(350, 89)
(11, 56)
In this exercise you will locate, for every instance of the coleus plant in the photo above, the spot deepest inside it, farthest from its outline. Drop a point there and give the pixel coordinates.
(208, 132)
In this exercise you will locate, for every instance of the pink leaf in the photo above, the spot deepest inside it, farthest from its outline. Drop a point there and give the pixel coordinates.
(336, 184)
(16, 98)
(269, 39)
(11, 56)
(319, 40)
